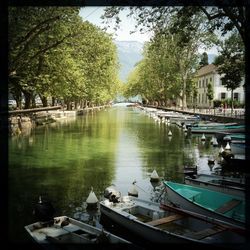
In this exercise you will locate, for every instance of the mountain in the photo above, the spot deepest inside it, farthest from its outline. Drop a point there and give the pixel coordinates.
(129, 53)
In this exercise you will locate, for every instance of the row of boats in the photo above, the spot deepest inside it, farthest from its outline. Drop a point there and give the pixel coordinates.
(193, 122)
(232, 133)
(206, 210)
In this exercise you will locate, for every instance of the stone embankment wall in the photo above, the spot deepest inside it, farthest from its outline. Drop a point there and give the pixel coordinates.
(23, 123)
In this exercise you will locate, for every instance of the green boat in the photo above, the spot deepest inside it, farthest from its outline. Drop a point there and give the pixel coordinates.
(219, 128)
(218, 205)
(235, 137)
(226, 136)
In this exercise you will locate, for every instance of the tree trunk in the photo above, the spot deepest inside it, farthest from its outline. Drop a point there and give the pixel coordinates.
(33, 101)
(184, 96)
(53, 101)
(27, 97)
(232, 101)
(18, 99)
(68, 105)
(44, 101)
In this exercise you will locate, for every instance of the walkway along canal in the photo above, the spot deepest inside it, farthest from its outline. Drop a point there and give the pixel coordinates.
(119, 145)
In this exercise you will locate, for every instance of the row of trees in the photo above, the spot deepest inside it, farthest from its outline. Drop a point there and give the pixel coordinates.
(167, 72)
(54, 54)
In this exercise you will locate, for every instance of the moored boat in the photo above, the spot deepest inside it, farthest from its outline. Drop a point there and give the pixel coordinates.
(232, 137)
(217, 128)
(224, 184)
(225, 207)
(148, 221)
(238, 147)
(66, 230)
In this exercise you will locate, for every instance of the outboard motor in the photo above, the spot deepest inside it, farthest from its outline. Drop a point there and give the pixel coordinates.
(44, 211)
(112, 194)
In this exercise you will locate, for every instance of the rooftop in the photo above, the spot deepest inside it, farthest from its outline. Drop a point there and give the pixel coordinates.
(206, 70)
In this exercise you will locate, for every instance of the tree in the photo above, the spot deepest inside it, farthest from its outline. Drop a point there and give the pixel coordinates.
(34, 31)
(231, 63)
(54, 54)
(224, 18)
(204, 60)
(186, 39)
(210, 93)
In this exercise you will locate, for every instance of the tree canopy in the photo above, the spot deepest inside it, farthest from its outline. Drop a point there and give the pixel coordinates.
(54, 54)
(168, 68)
(231, 63)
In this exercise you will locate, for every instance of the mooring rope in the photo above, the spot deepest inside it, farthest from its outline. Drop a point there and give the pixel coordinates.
(142, 189)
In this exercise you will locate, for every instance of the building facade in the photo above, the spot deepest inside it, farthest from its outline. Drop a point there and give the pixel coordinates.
(208, 74)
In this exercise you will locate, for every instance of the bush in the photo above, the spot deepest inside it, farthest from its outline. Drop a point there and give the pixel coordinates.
(228, 102)
(217, 103)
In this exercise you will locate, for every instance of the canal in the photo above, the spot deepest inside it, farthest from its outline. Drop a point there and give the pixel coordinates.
(62, 161)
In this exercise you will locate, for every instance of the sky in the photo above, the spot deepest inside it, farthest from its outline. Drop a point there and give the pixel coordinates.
(93, 15)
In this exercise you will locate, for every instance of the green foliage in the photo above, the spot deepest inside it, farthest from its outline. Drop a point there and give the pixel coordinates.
(156, 18)
(204, 60)
(231, 63)
(53, 53)
(210, 92)
(217, 103)
(170, 58)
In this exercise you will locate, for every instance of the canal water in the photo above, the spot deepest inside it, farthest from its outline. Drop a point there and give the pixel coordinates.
(62, 161)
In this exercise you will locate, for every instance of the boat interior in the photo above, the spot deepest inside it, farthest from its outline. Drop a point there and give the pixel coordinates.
(68, 234)
(178, 223)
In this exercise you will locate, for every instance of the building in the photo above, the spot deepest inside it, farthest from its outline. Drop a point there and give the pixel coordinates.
(208, 74)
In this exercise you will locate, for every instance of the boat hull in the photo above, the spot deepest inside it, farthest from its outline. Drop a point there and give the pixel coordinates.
(218, 184)
(238, 148)
(148, 233)
(65, 230)
(182, 202)
(217, 129)
(166, 226)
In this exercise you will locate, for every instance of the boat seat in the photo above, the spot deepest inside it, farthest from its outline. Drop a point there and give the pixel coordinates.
(228, 206)
(165, 220)
(205, 233)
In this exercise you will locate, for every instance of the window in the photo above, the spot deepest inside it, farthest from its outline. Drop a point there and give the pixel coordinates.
(236, 96)
(210, 79)
(206, 82)
(222, 96)
(203, 83)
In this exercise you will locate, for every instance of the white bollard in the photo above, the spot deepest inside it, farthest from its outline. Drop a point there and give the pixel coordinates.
(92, 200)
(132, 190)
(154, 177)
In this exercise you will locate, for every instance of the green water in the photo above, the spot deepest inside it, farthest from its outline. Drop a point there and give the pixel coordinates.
(63, 160)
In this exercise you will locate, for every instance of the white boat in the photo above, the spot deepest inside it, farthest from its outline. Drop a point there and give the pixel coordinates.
(65, 230)
(224, 184)
(147, 220)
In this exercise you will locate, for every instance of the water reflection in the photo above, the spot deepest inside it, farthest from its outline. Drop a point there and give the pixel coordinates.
(63, 160)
